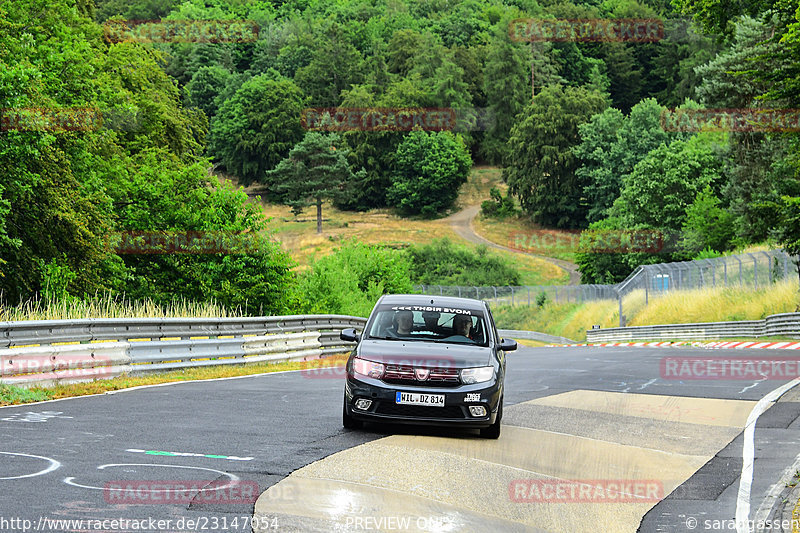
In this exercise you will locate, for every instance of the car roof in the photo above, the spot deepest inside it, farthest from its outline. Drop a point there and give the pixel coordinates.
(433, 301)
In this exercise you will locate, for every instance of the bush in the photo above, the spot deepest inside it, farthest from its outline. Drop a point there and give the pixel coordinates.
(444, 263)
(499, 206)
(541, 299)
(350, 280)
(430, 167)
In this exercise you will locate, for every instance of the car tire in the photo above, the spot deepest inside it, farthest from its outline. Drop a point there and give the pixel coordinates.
(348, 421)
(493, 431)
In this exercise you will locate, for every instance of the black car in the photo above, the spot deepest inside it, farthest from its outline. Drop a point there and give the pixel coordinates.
(427, 360)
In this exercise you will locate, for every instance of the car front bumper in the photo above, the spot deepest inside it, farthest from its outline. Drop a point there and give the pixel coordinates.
(455, 412)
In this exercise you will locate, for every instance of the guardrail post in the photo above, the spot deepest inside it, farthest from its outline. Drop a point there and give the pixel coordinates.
(477, 297)
(529, 296)
(512, 295)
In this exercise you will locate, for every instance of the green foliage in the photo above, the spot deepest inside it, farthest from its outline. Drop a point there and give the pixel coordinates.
(430, 167)
(542, 165)
(787, 230)
(597, 170)
(605, 266)
(499, 206)
(257, 127)
(541, 299)
(707, 225)
(505, 82)
(205, 86)
(315, 170)
(350, 280)
(666, 182)
(444, 263)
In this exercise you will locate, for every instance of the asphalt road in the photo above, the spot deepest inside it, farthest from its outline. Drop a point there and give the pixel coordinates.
(65, 459)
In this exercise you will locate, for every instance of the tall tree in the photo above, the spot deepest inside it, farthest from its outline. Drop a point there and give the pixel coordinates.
(316, 170)
(429, 169)
(601, 178)
(258, 127)
(506, 80)
(542, 165)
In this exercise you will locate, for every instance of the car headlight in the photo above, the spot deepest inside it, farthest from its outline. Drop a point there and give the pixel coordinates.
(477, 375)
(368, 368)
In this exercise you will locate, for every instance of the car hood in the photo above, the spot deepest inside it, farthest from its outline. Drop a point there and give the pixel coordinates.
(420, 353)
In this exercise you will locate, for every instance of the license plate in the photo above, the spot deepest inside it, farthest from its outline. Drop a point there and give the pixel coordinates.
(415, 398)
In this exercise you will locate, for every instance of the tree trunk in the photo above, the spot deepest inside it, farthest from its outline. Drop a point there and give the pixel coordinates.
(319, 215)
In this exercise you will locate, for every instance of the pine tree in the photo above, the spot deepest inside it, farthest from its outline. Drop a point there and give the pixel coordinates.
(315, 170)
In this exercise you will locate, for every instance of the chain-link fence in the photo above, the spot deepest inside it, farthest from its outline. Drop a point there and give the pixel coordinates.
(752, 270)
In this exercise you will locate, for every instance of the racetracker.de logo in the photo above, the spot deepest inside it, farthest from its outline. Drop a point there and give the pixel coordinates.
(586, 30)
(50, 119)
(378, 119)
(186, 242)
(729, 368)
(181, 31)
(63, 366)
(399, 367)
(586, 490)
(170, 492)
(589, 241)
(745, 119)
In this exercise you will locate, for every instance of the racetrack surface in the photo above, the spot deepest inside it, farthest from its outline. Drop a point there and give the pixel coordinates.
(571, 414)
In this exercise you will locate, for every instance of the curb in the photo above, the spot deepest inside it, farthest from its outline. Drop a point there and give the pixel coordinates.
(717, 345)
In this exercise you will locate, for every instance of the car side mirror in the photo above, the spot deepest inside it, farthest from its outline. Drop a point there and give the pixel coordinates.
(508, 345)
(351, 335)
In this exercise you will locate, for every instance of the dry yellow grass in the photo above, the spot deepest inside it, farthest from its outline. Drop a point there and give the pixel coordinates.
(719, 304)
(571, 320)
(297, 234)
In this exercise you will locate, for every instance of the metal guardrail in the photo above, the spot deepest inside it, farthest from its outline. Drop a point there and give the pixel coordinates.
(32, 352)
(534, 336)
(784, 324)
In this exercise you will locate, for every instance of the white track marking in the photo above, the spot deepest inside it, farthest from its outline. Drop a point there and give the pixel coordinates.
(53, 465)
(748, 456)
(232, 477)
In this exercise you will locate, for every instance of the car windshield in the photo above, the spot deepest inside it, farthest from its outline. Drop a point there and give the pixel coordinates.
(436, 324)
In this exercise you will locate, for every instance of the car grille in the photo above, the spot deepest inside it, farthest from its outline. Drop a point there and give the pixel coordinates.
(404, 375)
(419, 411)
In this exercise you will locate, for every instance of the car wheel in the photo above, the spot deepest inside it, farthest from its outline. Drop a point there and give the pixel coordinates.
(348, 421)
(493, 431)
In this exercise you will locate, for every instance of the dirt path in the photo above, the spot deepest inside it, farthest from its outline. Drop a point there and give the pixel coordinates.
(461, 223)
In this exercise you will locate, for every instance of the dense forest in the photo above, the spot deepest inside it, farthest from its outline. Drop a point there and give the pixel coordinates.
(578, 128)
